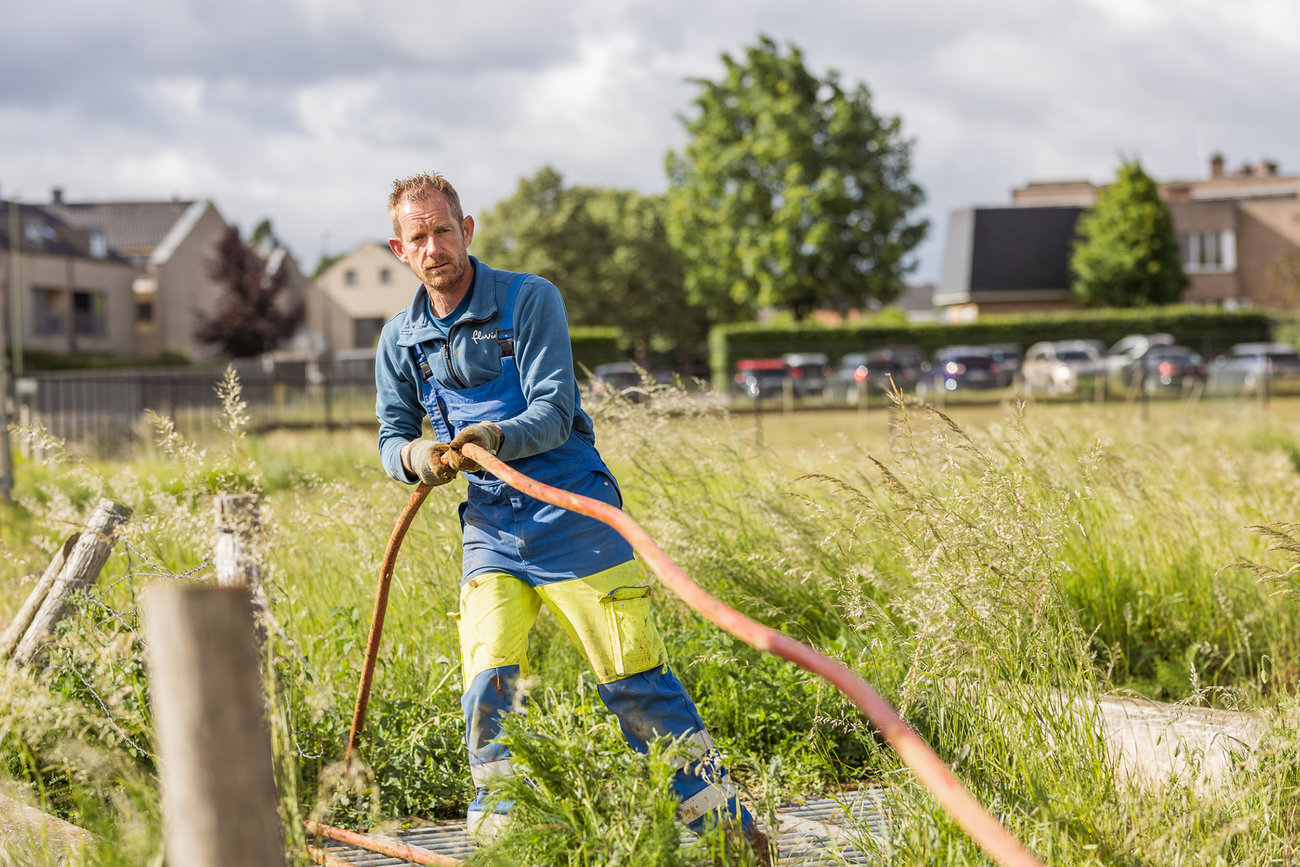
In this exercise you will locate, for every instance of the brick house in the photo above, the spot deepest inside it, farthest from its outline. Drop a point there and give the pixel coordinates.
(1239, 233)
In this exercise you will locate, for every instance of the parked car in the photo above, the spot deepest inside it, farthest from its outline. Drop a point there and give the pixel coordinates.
(761, 377)
(1248, 366)
(1127, 349)
(809, 371)
(1009, 357)
(879, 370)
(621, 378)
(1163, 367)
(1058, 366)
(961, 368)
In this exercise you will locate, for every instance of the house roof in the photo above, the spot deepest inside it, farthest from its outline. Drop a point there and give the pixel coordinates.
(133, 228)
(54, 237)
(1022, 248)
(1007, 254)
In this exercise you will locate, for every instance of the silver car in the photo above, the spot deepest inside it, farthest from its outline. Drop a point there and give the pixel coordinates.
(1250, 366)
(1058, 366)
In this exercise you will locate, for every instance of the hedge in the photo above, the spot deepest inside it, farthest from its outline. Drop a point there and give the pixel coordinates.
(593, 345)
(1207, 330)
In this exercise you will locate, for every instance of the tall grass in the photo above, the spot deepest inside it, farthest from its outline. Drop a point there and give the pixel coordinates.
(988, 579)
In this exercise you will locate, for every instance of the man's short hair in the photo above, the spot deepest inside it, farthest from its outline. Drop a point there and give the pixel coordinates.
(418, 187)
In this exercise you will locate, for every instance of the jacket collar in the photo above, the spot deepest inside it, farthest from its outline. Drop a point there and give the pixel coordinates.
(419, 326)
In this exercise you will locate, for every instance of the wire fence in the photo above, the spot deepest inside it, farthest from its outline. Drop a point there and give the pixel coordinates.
(107, 410)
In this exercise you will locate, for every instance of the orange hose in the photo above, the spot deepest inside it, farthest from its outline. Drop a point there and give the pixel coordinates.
(381, 606)
(413, 854)
(911, 747)
(977, 822)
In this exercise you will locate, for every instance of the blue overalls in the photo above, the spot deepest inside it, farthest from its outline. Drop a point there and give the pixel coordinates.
(520, 553)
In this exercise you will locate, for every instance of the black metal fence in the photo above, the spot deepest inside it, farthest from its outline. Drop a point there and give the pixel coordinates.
(107, 410)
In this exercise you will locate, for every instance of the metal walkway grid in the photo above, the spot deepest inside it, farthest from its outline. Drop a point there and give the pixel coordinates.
(812, 833)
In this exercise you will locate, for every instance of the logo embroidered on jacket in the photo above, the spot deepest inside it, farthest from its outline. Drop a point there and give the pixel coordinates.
(483, 335)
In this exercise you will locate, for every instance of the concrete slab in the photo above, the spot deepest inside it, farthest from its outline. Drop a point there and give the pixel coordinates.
(1155, 742)
(26, 833)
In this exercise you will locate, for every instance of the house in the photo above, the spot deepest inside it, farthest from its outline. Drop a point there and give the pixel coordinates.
(355, 296)
(1239, 233)
(169, 243)
(74, 292)
(126, 278)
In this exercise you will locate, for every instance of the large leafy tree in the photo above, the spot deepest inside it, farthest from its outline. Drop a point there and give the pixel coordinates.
(1126, 252)
(253, 314)
(607, 250)
(792, 191)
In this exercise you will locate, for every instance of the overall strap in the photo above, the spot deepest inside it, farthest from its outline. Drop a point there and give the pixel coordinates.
(426, 369)
(506, 330)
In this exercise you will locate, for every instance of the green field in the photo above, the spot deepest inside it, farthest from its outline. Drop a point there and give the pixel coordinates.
(967, 564)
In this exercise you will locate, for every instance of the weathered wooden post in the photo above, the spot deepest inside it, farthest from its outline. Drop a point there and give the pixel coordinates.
(214, 746)
(18, 626)
(236, 552)
(80, 570)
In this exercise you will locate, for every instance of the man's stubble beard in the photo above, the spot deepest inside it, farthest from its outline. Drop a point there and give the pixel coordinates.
(443, 282)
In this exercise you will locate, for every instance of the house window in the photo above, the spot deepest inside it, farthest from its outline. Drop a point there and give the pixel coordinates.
(365, 332)
(89, 314)
(385, 275)
(1211, 252)
(350, 277)
(49, 311)
(98, 244)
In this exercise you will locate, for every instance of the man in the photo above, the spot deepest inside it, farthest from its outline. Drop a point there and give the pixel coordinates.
(486, 355)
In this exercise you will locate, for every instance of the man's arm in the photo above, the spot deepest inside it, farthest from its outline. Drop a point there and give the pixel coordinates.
(397, 402)
(545, 359)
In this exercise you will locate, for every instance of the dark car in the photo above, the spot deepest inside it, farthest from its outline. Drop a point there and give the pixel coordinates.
(1250, 366)
(761, 377)
(961, 368)
(1009, 357)
(1164, 367)
(621, 378)
(808, 370)
(878, 371)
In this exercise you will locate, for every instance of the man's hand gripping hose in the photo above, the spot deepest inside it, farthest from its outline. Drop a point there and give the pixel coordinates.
(982, 827)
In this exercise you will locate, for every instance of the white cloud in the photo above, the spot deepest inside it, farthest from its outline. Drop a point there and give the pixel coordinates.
(304, 110)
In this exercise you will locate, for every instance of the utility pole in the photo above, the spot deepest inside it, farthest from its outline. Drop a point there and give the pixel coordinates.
(6, 385)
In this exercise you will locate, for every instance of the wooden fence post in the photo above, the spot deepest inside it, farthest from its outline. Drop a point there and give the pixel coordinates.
(80, 570)
(214, 748)
(18, 626)
(236, 551)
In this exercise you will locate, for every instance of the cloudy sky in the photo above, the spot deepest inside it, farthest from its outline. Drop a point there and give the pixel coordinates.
(305, 110)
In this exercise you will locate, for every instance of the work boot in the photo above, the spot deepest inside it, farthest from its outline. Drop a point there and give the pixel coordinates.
(757, 840)
(486, 825)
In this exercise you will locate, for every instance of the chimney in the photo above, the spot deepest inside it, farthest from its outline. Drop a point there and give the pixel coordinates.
(1216, 166)
(56, 195)
(1266, 168)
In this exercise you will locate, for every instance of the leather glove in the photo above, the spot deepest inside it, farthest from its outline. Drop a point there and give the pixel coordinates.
(484, 434)
(423, 458)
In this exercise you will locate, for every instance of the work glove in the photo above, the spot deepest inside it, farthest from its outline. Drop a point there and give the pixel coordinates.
(423, 458)
(484, 434)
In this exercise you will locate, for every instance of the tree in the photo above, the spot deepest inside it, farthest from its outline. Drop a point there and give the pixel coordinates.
(791, 192)
(608, 252)
(252, 315)
(1126, 253)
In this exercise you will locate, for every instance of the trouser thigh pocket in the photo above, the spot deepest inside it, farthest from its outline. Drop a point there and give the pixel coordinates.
(633, 639)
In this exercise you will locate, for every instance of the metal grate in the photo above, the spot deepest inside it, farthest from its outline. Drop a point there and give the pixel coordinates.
(820, 832)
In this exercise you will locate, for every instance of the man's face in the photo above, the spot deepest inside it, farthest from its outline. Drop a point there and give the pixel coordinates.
(434, 244)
